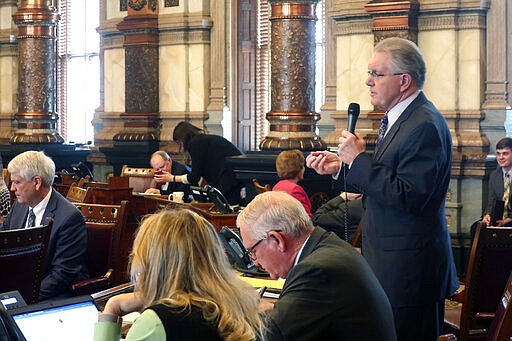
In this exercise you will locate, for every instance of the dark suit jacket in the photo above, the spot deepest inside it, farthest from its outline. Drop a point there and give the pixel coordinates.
(496, 189)
(208, 154)
(331, 216)
(405, 235)
(177, 168)
(65, 259)
(331, 294)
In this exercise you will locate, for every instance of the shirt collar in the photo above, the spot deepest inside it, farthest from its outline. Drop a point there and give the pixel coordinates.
(41, 207)
(300, 251)
(395, 112)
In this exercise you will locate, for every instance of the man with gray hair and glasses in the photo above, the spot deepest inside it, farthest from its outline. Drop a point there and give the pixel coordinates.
(32, 175)
(405, 236)
(330, 292)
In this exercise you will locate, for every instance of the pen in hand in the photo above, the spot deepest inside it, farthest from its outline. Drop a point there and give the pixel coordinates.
(262, 291)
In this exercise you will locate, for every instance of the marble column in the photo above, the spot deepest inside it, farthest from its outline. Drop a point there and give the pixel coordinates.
(36, 119)
(292, 116)
(141, 116)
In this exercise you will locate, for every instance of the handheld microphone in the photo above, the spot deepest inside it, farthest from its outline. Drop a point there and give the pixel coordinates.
(353, 114)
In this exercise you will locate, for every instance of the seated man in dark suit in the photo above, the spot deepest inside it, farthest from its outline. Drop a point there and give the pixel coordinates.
(164, 166)
(330, 291)
(32, 175)
(331, 215)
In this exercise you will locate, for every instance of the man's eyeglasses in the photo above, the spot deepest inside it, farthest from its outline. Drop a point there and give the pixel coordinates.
(251, 252)
(375, 75)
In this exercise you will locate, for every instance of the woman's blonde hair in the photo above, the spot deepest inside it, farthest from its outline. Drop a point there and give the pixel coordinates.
(289, 163)
(178, 260)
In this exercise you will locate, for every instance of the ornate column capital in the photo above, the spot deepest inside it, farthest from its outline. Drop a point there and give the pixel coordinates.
(394, 19)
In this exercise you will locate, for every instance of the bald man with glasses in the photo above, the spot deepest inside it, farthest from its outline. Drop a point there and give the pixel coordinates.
(330, 292)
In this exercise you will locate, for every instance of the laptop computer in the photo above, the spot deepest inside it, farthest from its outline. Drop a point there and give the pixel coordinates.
(67, 319)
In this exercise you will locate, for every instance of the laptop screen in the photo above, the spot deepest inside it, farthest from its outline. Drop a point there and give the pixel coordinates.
(61, 320)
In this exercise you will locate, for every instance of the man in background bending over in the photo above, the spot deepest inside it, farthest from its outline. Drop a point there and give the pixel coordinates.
(32, 175)
(404, 184)
(330, 292)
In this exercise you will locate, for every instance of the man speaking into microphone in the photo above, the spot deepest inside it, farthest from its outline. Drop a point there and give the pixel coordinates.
(405, 237)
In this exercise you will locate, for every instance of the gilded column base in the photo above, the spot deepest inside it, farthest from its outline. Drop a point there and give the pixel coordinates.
(292, 131)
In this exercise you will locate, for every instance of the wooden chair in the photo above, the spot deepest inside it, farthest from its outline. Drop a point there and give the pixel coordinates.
(490, 265)
(104, 227)
(260, 188)
(138, 178)
(82, 181)
(501, 326)
(78, 194)
(357, 240)
(110, 196)
(22, 258)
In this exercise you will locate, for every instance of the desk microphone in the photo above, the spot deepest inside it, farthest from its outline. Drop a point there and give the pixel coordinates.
(353, 114)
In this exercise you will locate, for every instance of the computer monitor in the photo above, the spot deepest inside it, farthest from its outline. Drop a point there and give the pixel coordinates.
(67, 319)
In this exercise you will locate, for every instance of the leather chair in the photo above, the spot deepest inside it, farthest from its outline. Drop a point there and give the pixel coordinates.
(138, 178)
(103, 258)
(490, 265)
(501, 326)
(22, 258)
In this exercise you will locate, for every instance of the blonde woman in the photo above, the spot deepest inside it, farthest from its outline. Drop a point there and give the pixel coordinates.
(184, 286)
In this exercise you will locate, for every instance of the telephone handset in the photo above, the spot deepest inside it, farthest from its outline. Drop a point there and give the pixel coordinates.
(237, 255)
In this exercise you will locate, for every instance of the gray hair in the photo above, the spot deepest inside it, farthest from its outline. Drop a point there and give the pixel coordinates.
(275, 210)
(405, 58)
(162, 154)
(31, 163)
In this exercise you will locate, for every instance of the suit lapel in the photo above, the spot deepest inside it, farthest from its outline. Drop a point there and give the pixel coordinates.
(49, 212)
(396, 126)
(313, 240)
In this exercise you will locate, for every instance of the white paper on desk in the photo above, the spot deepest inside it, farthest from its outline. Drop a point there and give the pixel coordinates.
(131, 317)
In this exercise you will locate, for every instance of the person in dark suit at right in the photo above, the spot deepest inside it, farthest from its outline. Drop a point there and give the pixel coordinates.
(405, 236)
(497, 181)
(208, 153)
(496, 189)
(330, 292)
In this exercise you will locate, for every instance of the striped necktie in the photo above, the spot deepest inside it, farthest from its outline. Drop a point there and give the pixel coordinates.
(382, 129)
(506, 195)
(31, 218)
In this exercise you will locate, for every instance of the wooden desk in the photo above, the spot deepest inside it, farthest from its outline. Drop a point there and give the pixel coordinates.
(204, 209)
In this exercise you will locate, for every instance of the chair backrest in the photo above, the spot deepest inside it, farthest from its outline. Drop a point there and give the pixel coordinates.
(490, 265)
(260, 188)
(82, 181)
(104, 227)
(138, 178)
(22, 258)
(78, 194)
(357, 240)
(110, 196)
(501, 326)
